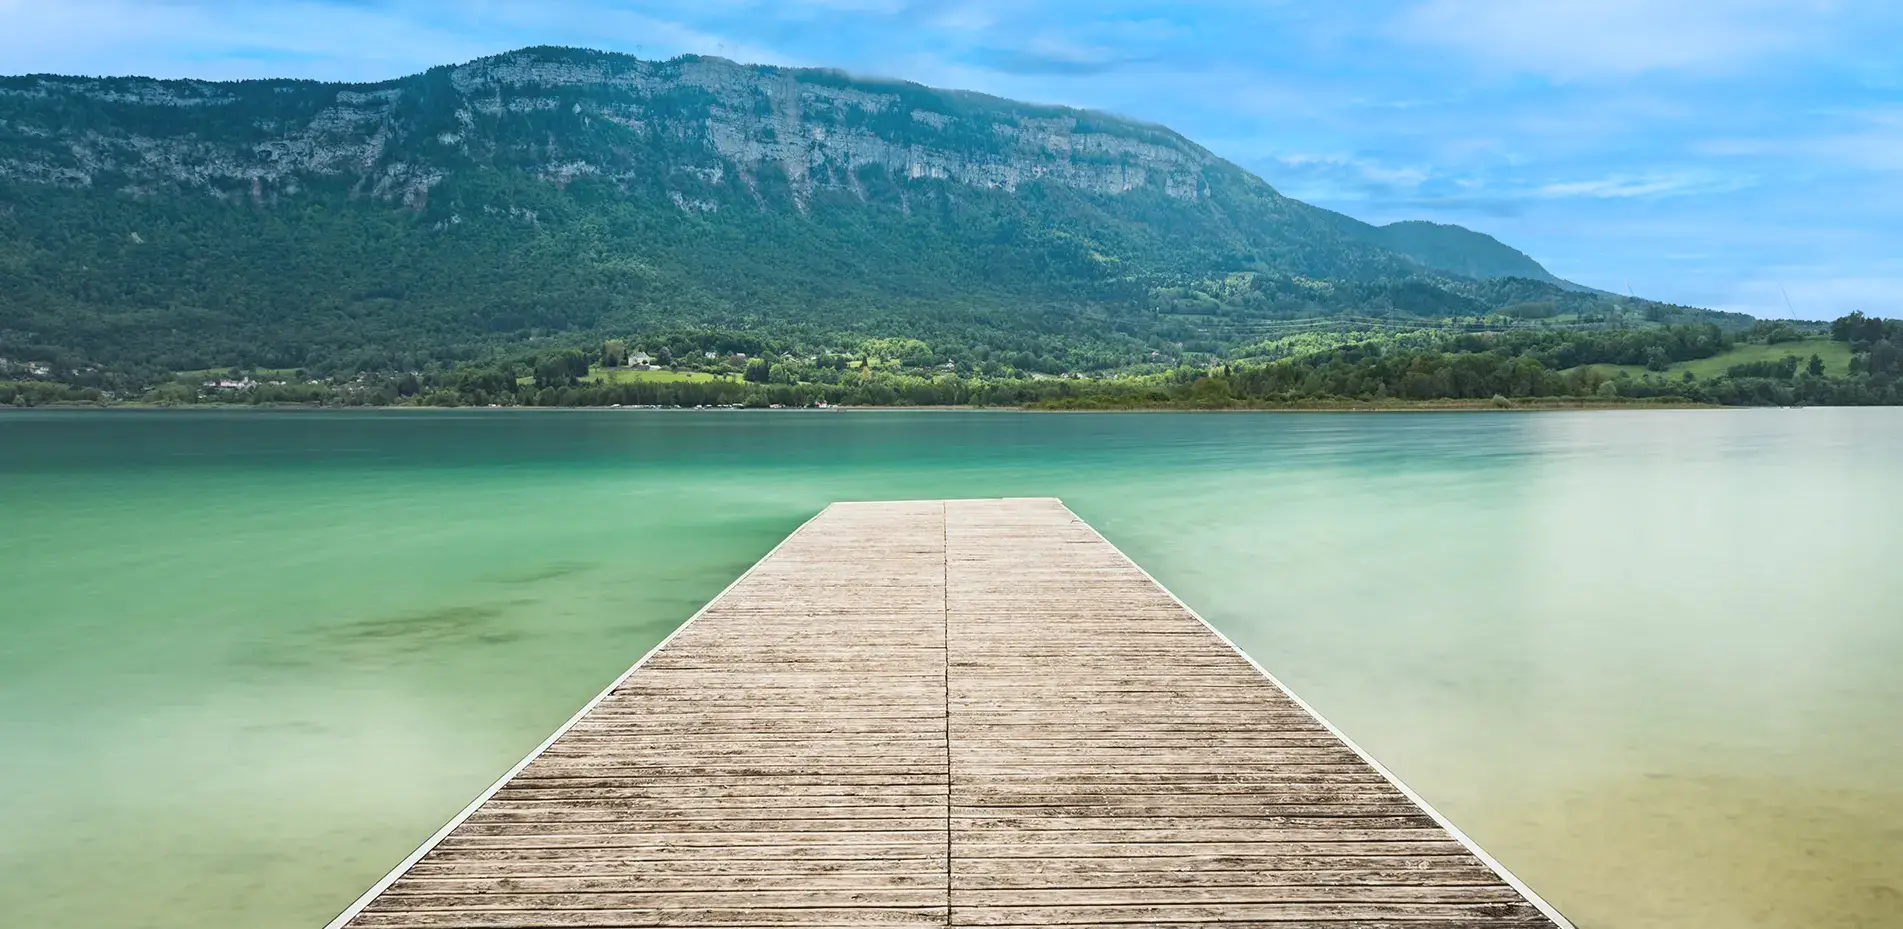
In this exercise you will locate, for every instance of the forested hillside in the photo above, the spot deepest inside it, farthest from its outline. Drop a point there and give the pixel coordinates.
(1461, 251)
(548, 199)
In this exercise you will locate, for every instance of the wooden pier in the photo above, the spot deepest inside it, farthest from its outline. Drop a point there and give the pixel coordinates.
(947, 713)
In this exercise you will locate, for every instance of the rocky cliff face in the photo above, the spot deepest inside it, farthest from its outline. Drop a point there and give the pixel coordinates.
(686, 126)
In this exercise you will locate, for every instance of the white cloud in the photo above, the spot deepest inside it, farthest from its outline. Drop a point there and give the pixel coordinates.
(963, 19)
(1367, 168)
(1579, 39)
(1619, 186)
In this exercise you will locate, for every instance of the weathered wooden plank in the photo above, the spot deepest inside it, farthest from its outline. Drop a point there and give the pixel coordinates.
(781, 761)
(946, 713)
(647, 882)
(676, 839)
(1216, 869)
(482, 866)
(1238, 894)
(1054, 847)
(501, 809)
(700, 899)
(870, 848)
(735, 917)
(1120, 780)
(1123, 765)
(1357, 914)
(1185, 808)
(604, 789)
(641, 778)
(593, 824)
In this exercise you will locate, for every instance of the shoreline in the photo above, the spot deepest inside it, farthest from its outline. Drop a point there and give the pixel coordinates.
(1346, 406)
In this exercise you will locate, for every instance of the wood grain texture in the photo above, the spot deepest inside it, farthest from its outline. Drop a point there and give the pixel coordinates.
(969, 713)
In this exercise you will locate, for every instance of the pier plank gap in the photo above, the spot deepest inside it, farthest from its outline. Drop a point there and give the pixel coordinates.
(947, 713)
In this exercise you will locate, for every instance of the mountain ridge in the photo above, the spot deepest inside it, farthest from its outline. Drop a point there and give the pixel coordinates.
(551, 65)
(1469, 252)
(547, 191)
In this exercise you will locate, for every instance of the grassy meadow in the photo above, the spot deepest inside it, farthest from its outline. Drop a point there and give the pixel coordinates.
(1836, 356)
(599, 375)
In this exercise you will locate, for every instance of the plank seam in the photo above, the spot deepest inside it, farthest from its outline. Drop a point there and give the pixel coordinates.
(945, 600)
(1492, 863)
(356, 908)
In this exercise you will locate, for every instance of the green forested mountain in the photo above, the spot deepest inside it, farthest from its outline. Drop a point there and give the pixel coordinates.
(554, 197)
(1461, 251)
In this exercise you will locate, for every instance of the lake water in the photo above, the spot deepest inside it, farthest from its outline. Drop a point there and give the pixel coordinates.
(1653, 661)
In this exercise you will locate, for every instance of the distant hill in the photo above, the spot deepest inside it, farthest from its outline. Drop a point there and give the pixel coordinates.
(555, 195)
(1459, 250)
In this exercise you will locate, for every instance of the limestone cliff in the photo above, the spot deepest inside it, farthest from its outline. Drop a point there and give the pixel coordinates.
(563, 114)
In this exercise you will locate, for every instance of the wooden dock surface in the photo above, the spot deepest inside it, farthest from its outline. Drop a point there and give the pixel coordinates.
(969, 713)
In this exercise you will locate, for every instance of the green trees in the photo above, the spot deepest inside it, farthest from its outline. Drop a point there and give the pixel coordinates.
(1783, 369)
(614, 353)
(1773, 332)
(1884, 359)
(1482, 370)
(561, 369)
(1873, 344)
(173, 394)
(1531, 310)
(1859, 329)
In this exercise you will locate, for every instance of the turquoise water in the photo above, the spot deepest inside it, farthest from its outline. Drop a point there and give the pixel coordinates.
(1648, 660)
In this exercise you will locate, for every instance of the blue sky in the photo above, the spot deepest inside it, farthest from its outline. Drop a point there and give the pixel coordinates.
(1722, 153)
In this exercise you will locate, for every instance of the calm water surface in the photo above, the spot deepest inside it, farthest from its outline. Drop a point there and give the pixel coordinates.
(1649, 660)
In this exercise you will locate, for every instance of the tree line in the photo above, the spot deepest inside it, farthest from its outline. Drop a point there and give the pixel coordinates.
(1476, 367)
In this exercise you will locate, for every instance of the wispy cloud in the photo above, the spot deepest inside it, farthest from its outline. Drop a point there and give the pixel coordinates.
(1052, 55)
(962, 19)
(1367, 168)
(1646, 185)
(1379, 191)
